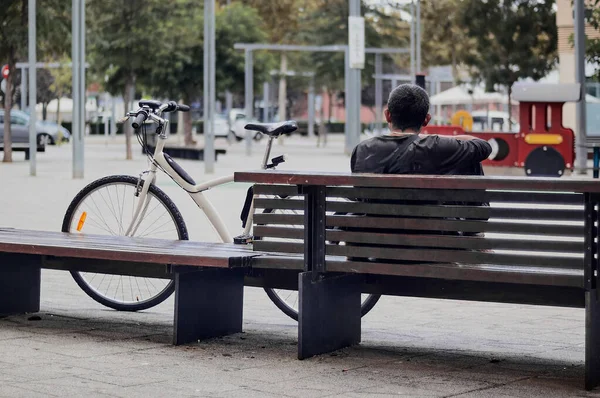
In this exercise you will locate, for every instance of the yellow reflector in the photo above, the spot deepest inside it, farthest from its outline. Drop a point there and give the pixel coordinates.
(81, 221)
(544, 139)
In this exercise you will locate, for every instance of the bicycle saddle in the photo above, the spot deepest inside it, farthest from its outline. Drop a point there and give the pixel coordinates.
(273, 129)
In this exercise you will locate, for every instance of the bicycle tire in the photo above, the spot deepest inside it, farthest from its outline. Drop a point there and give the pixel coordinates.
(366, 305)
(171, 209)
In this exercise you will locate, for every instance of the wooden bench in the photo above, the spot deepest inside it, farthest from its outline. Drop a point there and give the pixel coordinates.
(422, 236)
(23, 147)
(209, 277)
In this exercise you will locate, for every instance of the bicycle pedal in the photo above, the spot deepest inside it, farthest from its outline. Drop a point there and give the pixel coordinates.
(242, 239)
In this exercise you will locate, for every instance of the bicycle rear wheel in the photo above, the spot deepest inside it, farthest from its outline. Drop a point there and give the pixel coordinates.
(287, 300)
(106, 207)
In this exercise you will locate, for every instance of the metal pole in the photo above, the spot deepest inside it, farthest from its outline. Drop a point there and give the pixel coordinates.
(347, 105)
(355, 91)
(311, 107)
(79, 160)
(378, 95)
(265, 115)
(75, 79)
(23, 89)
(248, 97)
(209, 86)
(32, 88)
(418, 36)
(113, 120)
(580, 132)
(412, 41)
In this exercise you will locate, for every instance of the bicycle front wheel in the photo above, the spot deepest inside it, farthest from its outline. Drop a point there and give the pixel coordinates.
(106, 207)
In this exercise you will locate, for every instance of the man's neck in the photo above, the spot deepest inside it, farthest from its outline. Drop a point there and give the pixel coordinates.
(401, 132)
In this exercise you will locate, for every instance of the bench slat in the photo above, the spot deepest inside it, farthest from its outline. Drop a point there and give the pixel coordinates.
(430, 255)
(454, 195)
(426, 224)
(439, 241)
(558, 198)
(472, 212)
(418, 181)
(124, 248)
(487, 273)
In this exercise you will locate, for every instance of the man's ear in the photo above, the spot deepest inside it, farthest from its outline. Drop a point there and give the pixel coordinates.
(427, 120)
(388, 116)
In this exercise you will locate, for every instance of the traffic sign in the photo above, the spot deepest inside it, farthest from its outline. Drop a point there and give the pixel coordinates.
(5, 72)
(356, 42)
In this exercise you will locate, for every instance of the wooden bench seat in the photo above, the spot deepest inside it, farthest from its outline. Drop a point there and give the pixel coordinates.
(209, 277)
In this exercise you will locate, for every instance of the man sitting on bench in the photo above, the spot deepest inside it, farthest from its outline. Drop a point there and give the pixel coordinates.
(405, 151)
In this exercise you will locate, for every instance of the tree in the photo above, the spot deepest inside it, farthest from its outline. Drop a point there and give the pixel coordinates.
(62, 84)
(446, 40)
(127, 39)
(51, 25)
(513, 39)
(181, 74)
(593, 45)
(325, 22)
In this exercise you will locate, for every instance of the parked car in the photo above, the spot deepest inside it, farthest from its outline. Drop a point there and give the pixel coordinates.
(47, 134)
(66, 134)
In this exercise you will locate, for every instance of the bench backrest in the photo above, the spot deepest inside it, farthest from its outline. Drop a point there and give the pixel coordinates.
(538, 235)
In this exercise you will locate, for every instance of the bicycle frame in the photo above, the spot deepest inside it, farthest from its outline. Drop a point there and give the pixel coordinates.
(196, 192)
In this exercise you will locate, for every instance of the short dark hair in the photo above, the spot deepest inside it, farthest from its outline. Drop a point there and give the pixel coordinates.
(408, 105)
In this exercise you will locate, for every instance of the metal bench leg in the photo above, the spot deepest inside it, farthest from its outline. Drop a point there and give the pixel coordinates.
(592, 340)
(329, 313)
(208, 303)
(20, 277)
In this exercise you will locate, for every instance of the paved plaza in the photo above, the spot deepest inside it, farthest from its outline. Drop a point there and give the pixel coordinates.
(410, 347)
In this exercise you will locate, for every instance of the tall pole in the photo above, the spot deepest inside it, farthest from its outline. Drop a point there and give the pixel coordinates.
(209, 86)
(32, 88)
(356, 49)
(82, 92)
(75, 81)
(311, 107)
(378, 94)
(347, 105)
(580, 132)
(412, 41)
(249, 96)
(77, 54)
(418, 37)
(23, 89)
(265, 115)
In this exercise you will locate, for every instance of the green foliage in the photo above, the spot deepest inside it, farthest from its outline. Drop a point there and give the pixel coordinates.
(512, 39)
(126, 39)
(593, 45)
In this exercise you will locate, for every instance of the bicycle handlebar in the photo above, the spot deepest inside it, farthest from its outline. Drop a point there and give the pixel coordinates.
(151, 107)
(140, 119)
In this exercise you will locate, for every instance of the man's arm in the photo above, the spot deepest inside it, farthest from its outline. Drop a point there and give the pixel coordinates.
(463, 149)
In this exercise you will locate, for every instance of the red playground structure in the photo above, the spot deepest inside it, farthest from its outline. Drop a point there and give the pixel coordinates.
(543, 146)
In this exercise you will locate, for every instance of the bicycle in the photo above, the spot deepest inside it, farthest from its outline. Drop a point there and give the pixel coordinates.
(135, 206)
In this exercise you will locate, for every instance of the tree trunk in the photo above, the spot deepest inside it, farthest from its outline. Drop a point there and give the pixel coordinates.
(7, 106)
(129, 94)
(44, 110)
(58, 118)
(330, 95)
